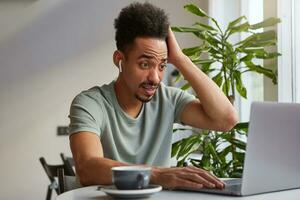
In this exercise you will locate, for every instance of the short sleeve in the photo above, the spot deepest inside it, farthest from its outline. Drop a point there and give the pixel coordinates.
(85, 114)
(181, 100)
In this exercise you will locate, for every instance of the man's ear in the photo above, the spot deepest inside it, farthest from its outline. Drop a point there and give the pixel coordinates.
(117, 57)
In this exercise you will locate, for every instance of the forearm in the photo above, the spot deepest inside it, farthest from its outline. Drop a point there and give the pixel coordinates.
(96, 171)
(214, 103)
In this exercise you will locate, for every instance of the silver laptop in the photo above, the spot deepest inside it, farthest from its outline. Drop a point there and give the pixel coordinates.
(272, 159)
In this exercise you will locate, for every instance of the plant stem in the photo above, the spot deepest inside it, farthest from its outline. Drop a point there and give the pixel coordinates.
(224, 67)
(232, 85)
(233, 150)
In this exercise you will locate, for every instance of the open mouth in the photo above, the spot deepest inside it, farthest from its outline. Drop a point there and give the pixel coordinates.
(149, 89)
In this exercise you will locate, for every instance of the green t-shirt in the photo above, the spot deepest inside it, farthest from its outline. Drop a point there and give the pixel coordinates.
(146, 139)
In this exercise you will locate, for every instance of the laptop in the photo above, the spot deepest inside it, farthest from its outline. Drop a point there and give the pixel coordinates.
(272, 161)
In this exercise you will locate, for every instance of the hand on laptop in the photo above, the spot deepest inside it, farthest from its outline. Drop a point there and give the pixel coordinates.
(185, 177)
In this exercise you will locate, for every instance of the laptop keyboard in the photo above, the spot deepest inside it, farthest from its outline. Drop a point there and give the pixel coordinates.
(233, 187)
(236, 181)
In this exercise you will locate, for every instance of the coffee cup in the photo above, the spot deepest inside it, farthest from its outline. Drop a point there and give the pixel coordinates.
(131, 177)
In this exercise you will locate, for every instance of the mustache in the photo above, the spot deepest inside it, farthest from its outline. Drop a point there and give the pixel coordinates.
(149, 84)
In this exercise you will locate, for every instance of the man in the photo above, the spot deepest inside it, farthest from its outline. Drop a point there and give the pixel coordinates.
(129, 121)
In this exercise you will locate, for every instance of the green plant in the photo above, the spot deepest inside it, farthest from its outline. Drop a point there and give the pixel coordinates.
(226, 62)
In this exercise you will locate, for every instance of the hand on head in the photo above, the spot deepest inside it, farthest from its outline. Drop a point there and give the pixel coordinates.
(174, 51)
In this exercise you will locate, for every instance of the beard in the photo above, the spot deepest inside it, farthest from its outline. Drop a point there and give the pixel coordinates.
(143, 99)
(146, 98)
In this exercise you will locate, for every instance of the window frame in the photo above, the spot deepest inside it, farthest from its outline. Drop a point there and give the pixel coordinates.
(288, 44)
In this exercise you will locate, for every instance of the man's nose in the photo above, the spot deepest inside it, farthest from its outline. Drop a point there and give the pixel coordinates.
(154, 76)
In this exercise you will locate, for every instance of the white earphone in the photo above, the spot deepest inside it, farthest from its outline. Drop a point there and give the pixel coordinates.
(120, 66)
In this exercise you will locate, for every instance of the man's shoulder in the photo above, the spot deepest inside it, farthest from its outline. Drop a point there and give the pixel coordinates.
(169, 91)
(95, 94)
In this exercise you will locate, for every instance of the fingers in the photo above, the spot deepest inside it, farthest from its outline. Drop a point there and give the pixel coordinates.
(172, 43)
(195, 178)
(187, 177)
(182, 183)
(208, 177)
(174, 51)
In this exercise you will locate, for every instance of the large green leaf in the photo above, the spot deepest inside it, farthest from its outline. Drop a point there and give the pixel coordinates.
(251, 50)
(242, 125)
(266, 23)
(203, 61)
(214, 154)
(247, 57)
(259, 69)
(238, 143)
(185, 86)
(204, 26)
(229, 58)
(226, 86)
(179, 77)
(226, 136)
(267, 55)
(235, 22)
(193, 53)
(241, 28)
(239, 84)
(187, 146)
(209, 38)
(195, 10)
(180, 129)
(262, 43)
(192, 50)
(258, 38)
(215, 51)
(224, 153)
(205, 67)
(240, 156)
(196, 56)
(175, 149)
(257, 52)
(186, 29)
(218, 79)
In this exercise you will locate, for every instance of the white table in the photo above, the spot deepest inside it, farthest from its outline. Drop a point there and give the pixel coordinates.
(92, 193)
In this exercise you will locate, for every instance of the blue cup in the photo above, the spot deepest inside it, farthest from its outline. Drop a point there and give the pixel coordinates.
(131, 177)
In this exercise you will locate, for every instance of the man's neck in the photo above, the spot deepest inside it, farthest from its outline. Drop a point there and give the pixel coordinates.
(127, 101)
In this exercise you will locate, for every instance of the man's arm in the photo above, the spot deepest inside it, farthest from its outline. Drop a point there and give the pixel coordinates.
(93, 169)
(212, 110)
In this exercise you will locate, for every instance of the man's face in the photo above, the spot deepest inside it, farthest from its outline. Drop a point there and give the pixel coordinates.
(144, 67)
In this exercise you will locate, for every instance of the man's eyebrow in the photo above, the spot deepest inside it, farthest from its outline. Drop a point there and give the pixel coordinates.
(151, 57)
(145, 56)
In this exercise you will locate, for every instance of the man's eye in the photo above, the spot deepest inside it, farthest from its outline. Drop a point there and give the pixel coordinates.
(163, 66)
(144, 65)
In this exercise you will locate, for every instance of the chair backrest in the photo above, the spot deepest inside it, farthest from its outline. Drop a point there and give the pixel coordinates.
(66, 183)
(51, 171)
(69, 164)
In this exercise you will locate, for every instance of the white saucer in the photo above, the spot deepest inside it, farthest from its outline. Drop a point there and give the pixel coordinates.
(126, 194)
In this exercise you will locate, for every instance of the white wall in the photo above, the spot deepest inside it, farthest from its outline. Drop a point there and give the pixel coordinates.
(50, 50)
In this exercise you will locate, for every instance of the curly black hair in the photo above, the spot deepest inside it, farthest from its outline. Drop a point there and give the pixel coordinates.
(140, 20)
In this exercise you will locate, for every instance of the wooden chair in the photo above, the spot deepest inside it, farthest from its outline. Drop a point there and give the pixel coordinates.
(65, 182)
(51, 171)
(69, 163)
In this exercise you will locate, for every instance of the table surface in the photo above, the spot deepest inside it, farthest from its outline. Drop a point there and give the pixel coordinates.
(93, 193)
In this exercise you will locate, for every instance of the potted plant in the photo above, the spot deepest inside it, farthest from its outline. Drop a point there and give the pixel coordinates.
(226, 62)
